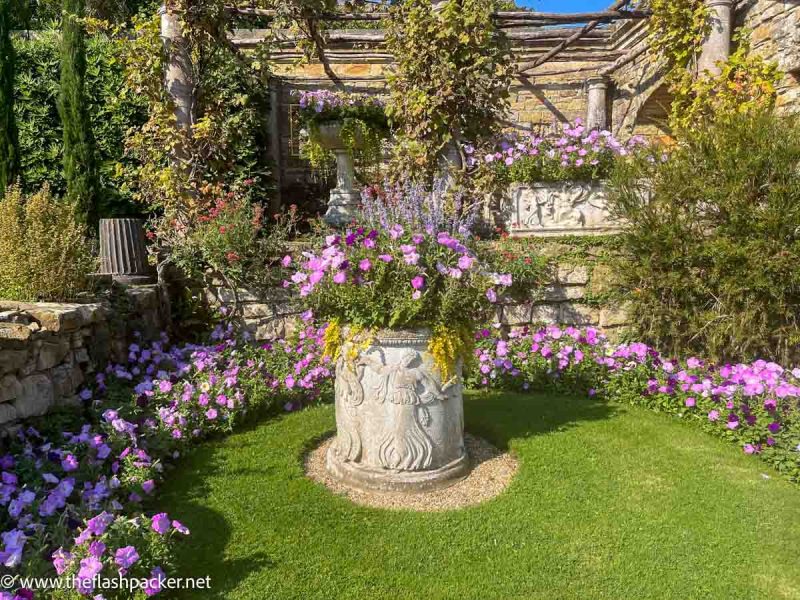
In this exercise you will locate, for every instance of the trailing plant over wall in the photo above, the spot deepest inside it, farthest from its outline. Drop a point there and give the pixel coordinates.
(451, 80)
(9, 143)
(363, 128)
(80, 166)
(712, 240)
(747, 82)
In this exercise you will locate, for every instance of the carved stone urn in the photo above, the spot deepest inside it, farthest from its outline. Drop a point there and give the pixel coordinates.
(345, 199)
(399, 427)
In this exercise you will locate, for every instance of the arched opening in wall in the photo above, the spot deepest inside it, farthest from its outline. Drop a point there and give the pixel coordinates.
(652, 120)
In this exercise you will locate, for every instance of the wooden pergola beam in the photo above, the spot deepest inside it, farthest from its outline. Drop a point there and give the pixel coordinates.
(619, 4)
(511, 18)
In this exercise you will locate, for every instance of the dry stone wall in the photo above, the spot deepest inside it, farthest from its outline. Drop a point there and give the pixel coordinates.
(583, 290)
(48, 352)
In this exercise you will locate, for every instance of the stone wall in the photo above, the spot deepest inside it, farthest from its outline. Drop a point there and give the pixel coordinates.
(774, 27)
(49, 352)
(583, 290)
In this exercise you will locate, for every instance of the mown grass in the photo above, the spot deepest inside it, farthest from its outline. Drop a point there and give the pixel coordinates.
(610, 502)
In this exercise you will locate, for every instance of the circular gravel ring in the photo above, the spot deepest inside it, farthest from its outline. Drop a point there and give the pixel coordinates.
(491, 473)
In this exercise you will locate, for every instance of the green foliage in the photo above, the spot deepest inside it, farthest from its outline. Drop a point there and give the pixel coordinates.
(40, 132)
(9, 143)
(677, 29)
(451, 81)
(746, 83)
(44, 253)
(711, 243)
(226, 143)
(231, 241)
(363, 127)
(80, 166)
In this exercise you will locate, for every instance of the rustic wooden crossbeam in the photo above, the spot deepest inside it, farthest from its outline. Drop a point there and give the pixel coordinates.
(504, 17)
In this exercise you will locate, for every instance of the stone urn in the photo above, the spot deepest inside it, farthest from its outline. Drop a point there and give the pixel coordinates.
(345, 199)
(123, 251)
(399, 427)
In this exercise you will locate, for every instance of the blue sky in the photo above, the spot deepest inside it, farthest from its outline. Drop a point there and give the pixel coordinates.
(565, 5)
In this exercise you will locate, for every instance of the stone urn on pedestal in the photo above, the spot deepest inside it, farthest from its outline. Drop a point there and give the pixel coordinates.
(345, 199)
(400, 427)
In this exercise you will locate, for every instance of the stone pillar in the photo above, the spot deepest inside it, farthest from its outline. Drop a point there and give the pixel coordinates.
(178, 77)
(123, 251)
(717, 45)
(597, 103)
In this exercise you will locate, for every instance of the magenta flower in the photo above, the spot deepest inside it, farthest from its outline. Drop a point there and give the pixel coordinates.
(365, 265)
(127, 556)
(157, 577)
(289, 381)
(180, 527)
(160, 523)
(418, 282)
(690, 402)
(491, 295)
(69, 463)
(713, 415)
(287, 261)
(387, 258)
(340, 278)
(211, 414)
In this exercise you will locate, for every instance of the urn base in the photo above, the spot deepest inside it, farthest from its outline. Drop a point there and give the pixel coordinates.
(344, 207)
(366, 478)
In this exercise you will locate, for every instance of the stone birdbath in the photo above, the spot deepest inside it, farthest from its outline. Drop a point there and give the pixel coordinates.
(345, 199)
(399, 426)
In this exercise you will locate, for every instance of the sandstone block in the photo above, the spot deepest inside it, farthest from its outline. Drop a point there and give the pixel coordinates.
(36, 397)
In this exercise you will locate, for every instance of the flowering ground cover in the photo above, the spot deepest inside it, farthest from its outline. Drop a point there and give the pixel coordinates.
(611, 501)
(80, 495)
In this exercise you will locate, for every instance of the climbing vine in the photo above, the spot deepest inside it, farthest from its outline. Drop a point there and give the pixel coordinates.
(451, 81)
(746, 82)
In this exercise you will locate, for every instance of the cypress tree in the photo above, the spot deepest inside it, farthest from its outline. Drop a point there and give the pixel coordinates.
(80, 167)
(9, 147)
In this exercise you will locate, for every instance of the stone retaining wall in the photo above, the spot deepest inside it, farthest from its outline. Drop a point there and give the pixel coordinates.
(48, 352)
(583, 291)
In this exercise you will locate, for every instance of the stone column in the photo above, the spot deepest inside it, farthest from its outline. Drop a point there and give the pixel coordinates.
(178, 78)
(717, 45)
(597, 103)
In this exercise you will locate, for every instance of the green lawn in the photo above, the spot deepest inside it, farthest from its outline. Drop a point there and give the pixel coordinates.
(610, 502)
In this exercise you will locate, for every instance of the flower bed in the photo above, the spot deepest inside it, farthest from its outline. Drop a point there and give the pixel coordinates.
(752, 405)
(573, 155)
(76, 496)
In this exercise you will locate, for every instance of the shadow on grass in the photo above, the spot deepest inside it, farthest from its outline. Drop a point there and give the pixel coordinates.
(190, 495)
(202, 554)
(502, 417)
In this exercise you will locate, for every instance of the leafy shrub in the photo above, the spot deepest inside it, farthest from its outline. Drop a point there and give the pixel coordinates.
(44, 252)
(712, 239)
(231, 240)
(111, 112)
